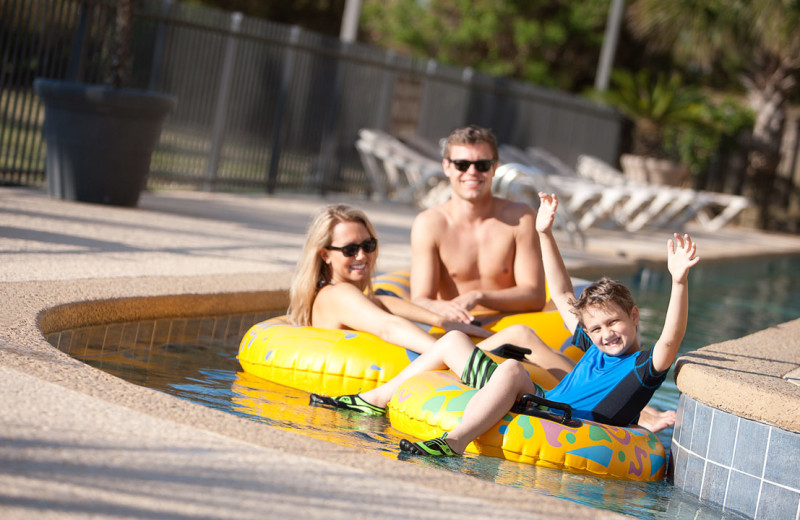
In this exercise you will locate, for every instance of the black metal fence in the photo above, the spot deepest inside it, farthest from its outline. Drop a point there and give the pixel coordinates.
(263, 106)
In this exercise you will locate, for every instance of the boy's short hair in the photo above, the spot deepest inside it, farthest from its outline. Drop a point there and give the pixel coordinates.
(471, 134)
(600, 294)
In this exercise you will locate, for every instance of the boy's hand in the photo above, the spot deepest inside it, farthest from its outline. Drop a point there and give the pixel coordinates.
(547, 212)
(680, 256)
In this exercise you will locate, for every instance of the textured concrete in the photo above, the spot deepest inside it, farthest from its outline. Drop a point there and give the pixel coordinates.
(77, 442)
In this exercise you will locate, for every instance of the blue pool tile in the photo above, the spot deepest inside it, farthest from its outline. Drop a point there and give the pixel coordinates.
(742, 495)
(723, 438)
(777, 502)
(676, 429)
(783, 459)
(694, 475)
(687, 420)
(678, 460)
(751, 447)
(715, 482)
(700, 429)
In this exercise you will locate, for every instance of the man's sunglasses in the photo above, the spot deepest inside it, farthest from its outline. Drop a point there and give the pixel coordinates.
(482, 165)
(369, 246)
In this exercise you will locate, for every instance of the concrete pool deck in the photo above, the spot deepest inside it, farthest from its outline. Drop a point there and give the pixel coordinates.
(78, 442)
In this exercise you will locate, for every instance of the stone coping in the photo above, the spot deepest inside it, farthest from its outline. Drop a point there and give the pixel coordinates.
(749, 377)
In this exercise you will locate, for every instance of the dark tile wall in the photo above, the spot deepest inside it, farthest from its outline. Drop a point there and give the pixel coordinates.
(742, 466)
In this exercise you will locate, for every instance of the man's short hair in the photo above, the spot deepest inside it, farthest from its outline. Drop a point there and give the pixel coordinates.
(600, 294)
(471, 134)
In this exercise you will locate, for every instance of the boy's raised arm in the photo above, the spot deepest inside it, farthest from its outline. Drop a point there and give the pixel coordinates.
(680, 258)
(555, 272)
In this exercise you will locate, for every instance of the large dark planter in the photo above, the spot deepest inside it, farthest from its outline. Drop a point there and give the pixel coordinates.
(99, 139)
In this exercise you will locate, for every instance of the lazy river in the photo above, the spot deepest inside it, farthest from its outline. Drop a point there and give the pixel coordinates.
(195, 359)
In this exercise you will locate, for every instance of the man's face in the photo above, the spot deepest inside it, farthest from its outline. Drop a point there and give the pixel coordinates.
(471, 184)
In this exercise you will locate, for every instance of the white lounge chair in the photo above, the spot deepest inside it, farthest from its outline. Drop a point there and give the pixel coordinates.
(520, 182)
(598, 194)
(398, 172)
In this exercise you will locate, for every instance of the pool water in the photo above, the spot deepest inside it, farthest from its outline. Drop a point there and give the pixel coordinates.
(196, 360)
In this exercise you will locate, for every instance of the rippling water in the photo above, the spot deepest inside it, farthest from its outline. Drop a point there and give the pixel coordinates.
(727, 301)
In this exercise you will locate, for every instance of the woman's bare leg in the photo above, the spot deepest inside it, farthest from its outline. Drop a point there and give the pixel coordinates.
(451, 351)
(551, 360)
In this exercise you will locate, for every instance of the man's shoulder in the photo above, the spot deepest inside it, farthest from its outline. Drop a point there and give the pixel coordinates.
(511, 207)
(431, 215)
(513, 213)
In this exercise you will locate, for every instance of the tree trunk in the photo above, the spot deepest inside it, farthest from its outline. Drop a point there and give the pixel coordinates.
(767, 94)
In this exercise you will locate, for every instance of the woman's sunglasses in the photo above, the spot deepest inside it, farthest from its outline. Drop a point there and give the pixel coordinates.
(462, 165)
(369, 246)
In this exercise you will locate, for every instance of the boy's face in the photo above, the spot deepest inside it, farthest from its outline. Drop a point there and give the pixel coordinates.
(611, 328)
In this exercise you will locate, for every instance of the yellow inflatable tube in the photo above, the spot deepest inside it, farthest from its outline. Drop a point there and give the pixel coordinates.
(432, 403)
(329, 361)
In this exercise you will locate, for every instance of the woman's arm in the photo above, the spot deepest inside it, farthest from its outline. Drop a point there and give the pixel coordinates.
(344, 306)
(413, 312)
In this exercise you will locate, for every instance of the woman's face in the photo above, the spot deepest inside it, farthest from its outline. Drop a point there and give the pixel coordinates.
(353, 269)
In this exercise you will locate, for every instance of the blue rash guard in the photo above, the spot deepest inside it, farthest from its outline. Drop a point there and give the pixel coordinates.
(608, 389)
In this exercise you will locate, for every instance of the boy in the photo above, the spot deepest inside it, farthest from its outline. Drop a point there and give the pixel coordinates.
(610, 384)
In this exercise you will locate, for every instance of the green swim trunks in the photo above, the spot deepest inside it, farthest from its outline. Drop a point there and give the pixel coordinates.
(478, 369)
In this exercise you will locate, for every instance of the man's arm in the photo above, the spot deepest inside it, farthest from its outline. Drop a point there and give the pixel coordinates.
(558, 280)
(680, 258)
(425, 265)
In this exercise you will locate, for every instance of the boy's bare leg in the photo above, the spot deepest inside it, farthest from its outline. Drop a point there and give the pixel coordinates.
(508, 383)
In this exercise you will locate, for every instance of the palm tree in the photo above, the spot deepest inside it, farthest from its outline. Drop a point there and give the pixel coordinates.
(755, 40)
(121, 57)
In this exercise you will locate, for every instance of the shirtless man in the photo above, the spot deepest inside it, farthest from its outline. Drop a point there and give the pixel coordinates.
(475, 251)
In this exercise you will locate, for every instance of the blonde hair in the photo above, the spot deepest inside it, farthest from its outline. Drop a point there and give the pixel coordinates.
(311, 272)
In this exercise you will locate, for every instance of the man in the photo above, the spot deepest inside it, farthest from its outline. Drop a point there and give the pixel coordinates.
(475, 251)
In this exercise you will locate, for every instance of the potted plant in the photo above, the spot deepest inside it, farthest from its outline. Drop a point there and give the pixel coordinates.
(655, 105)
(100, 137)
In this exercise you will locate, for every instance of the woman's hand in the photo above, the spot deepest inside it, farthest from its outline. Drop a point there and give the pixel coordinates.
(466, 328)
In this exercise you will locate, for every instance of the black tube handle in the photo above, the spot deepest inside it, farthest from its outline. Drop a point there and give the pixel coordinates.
(541, 401)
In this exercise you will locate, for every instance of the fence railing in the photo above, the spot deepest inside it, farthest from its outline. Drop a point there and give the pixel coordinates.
(263, 106)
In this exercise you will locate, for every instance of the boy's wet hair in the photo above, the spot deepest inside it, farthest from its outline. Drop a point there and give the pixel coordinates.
(472, 134)
(600, 294)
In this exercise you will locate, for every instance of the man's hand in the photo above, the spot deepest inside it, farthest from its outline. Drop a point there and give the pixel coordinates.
(468, 300)
(547, 212)
(681, 256)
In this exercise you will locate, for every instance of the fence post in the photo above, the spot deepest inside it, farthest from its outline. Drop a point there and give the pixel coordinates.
(161, 43)
(221, 112)
(425, 109)
(77, 67)
(330, 130)
(384, 106)
(283, 94)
